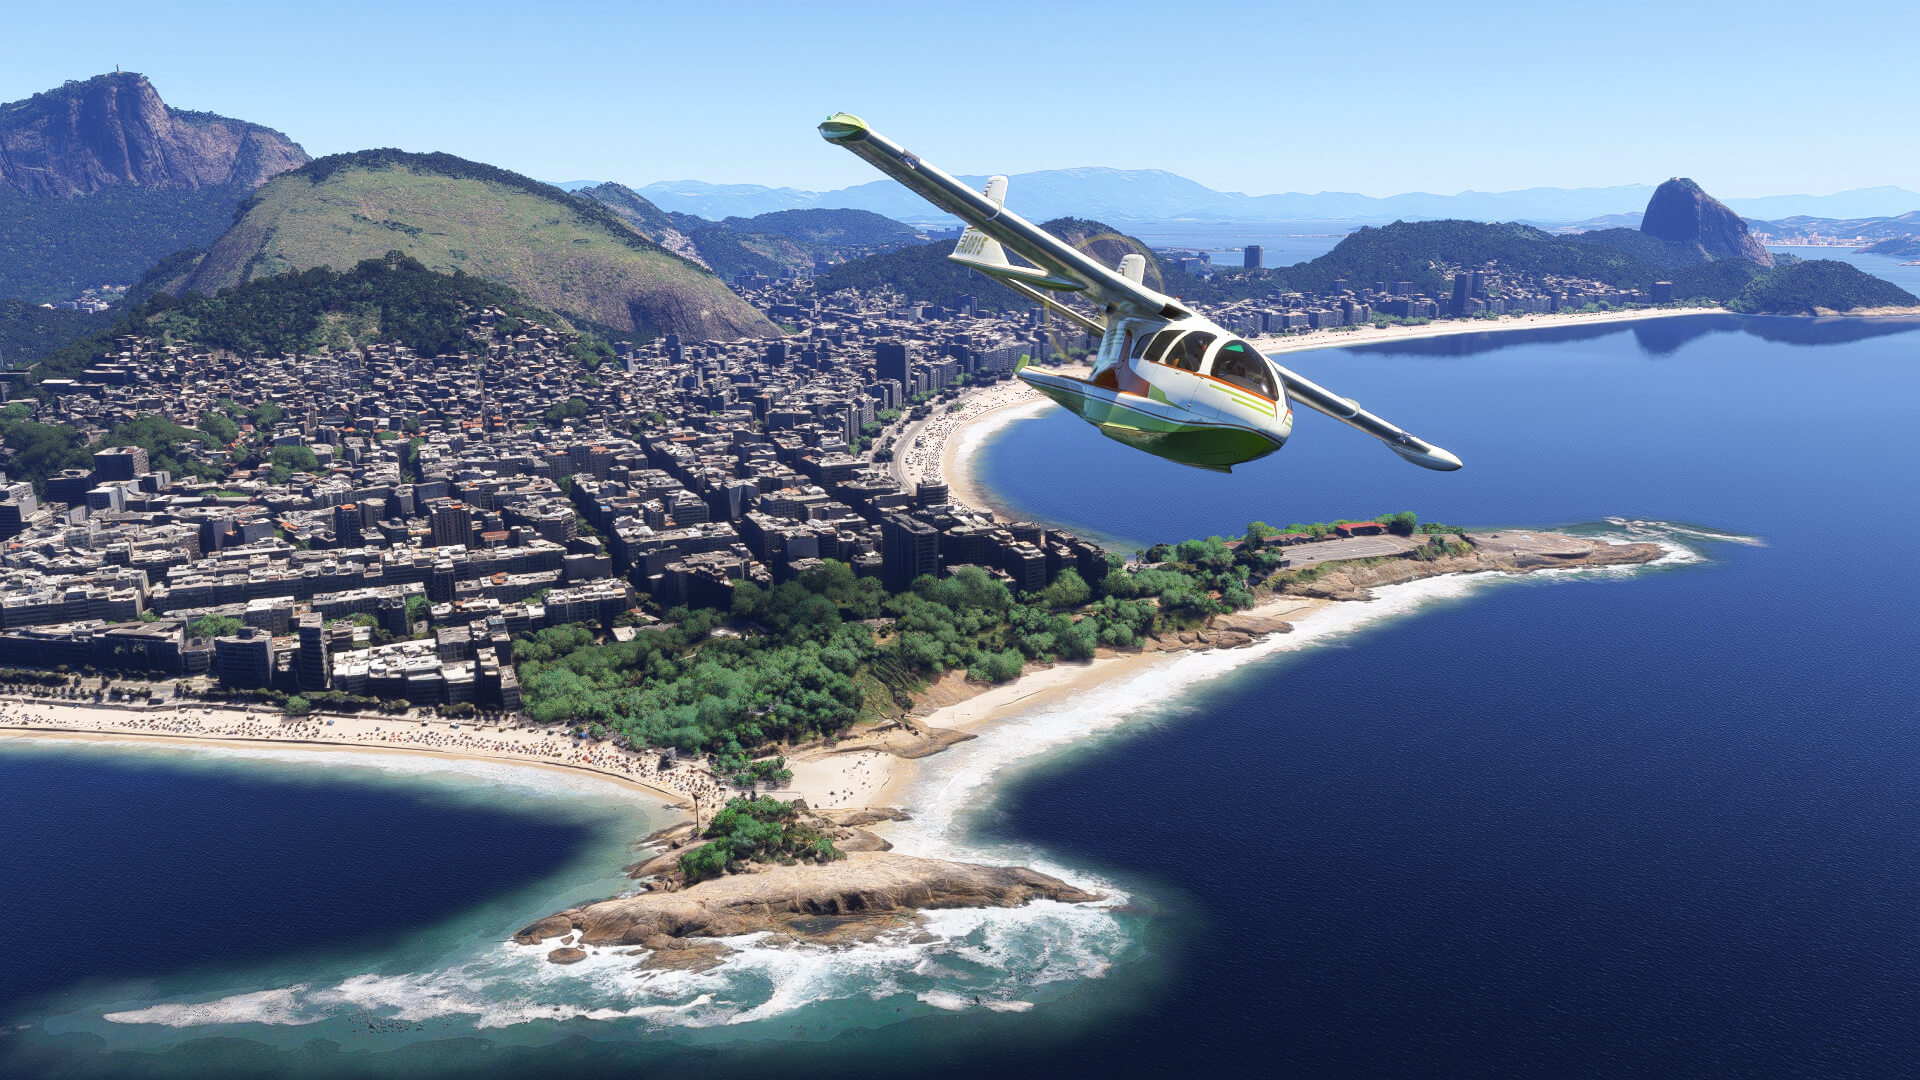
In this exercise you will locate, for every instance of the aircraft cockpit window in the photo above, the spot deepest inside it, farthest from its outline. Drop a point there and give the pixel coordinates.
(1190, 351)
(1157, 349)
(1140, 343)
(1238, 363)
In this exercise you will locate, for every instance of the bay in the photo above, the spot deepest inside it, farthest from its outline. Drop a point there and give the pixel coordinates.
(1649, 824)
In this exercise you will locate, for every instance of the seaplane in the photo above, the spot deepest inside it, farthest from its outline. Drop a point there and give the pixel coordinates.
(1165, 379)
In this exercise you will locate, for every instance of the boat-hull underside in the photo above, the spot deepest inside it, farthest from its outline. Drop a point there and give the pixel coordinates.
(1160, 428)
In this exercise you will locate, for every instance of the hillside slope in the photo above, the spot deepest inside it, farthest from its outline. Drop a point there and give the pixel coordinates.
(776, 244)
(1821, 287)
(922, 272)
(29, 331)
(568, 255)
(100, 179)
(113, 130)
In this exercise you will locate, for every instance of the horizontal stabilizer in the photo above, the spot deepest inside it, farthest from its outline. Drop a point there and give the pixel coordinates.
(984, 253)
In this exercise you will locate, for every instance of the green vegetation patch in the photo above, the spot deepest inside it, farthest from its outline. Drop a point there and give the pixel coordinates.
(51, 249)
(29, 331)
(1818, 286)
(756, 830)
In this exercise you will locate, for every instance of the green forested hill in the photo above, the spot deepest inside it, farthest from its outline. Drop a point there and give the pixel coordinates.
(1819, 287)
(52, 248)
(922, 272)
(29, 331)
(392, 299)
(1411, 251)
(637, 211)
(859, 227)
(565, 254)
(771, 244)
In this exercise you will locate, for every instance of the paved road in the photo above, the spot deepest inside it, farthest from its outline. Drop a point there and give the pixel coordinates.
(1359, 547)
(903, 450)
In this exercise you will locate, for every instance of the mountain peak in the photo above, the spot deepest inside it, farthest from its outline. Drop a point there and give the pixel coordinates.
(1681, 212)
(114, 130)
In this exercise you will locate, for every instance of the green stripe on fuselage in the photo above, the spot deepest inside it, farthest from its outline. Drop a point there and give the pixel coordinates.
(1210, 446)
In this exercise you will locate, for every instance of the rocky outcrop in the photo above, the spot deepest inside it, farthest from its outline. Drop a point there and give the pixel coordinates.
(566, 955)
(1511, 553)
(1233, 631)
(113, 130)
(843, 827)
(1680, 212)
(805, 901)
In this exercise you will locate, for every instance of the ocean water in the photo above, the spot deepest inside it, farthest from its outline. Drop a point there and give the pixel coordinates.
(1621, 823)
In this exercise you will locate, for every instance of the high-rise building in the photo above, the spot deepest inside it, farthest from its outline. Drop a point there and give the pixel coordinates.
(891, 361)
(119, 463)
(909, 547)
(1251, 257)
(452, 523)
(1462, 292)
(245, 659)
(314, 664)
(346, 525)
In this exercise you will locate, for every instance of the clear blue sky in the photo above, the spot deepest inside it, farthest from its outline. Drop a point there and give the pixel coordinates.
(1379, 98)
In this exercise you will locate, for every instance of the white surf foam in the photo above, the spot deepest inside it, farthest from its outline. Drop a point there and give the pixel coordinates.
(286, 1006)
(1000, 955)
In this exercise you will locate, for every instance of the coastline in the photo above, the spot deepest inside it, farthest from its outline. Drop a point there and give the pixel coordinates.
(863, 773)
(214, 729)
(1369, 335)
(984, 412)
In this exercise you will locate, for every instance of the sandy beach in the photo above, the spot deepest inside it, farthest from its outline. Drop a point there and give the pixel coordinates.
(856, 774)
(852, 773)
(217, 727)
(949, 440)
(1369, 335)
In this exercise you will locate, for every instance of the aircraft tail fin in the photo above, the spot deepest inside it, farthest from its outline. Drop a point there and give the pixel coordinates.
(985, 254)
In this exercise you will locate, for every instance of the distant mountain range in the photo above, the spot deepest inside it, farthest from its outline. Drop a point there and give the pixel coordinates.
(1152, 195)
(1689, 240)
(1869, 229)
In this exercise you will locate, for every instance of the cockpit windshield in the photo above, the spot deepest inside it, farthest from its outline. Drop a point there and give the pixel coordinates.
(1240, 364)
(1187, 353)
(1152, 349)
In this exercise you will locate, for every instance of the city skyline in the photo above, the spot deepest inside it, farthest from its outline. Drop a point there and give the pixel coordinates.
(639, 95)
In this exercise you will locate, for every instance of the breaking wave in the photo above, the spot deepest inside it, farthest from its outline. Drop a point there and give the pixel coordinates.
(997, 959)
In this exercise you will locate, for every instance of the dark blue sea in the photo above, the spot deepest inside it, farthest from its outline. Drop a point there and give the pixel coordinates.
(1649, 824)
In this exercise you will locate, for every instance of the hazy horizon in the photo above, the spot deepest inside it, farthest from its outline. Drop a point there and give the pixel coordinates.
(1258, 100)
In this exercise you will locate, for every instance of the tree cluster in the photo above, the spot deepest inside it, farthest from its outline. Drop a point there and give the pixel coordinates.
(756, 830)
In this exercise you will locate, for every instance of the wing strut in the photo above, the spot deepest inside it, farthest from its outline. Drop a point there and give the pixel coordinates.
(1348, 411)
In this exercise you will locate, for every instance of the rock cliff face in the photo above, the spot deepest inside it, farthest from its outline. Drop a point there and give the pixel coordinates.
(1682, 213)
(113, 130)
(805, 900)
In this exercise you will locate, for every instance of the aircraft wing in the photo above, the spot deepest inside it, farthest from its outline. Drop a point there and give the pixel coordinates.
(1061, 267)
(1347, 411)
